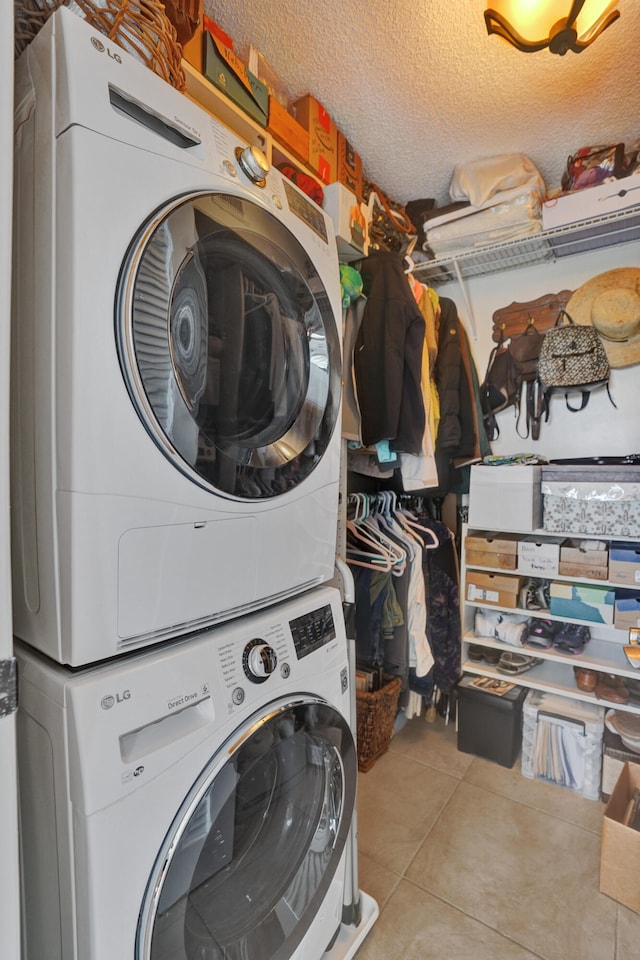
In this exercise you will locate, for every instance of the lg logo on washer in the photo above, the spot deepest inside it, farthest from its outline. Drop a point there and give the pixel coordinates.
(100, 47)
(110, 700)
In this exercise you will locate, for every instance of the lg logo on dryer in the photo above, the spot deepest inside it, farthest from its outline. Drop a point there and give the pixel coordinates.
(110, 700)
(98, 45)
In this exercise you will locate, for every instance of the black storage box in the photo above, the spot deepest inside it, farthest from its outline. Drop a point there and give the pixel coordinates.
(489, 724)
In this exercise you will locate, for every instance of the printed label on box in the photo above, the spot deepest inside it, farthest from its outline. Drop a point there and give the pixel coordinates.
(476, 593)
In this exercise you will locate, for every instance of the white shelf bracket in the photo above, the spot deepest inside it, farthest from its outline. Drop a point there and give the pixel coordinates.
(467, 300)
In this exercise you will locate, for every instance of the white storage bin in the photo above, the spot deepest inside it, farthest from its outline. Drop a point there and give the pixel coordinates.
(562, 742)
(506, 497)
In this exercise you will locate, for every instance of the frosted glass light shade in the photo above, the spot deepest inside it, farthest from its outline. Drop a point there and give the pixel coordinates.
(560, 25)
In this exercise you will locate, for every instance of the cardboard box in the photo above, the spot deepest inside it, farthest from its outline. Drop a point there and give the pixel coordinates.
(349, 166)
(591, 202)
(323, 137)
(348, 221)
(624, 563)
(228, 73)
(577, 559)
(539, 558)
(505, 498)
(582, 571)
(614, 757)
(489, 550)
(579, 601)
(626, 611)
(287, 131)
(577, 551)
(620, 847)
(493, 588)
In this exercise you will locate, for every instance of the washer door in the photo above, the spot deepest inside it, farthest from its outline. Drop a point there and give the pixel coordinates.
(252, 853)
(229, 346)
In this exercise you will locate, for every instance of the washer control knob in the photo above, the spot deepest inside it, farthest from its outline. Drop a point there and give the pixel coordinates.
(259, 661)
(253, 164)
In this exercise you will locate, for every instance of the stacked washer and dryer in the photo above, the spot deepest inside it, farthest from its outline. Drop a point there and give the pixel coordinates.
(186, 754)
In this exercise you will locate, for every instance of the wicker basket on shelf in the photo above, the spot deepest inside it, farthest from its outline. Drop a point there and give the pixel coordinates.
(141, 27)
(376, 713)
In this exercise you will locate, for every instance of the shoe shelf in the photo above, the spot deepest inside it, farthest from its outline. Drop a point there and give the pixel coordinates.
(553, 675)
(603, 653)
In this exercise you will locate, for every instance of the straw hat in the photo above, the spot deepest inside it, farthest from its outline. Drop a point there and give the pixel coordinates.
(610, 303)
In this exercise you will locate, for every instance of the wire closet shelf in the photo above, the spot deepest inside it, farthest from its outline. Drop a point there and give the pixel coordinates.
(571, 240)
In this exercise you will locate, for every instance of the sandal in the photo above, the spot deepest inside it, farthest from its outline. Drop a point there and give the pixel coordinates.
(515, 663)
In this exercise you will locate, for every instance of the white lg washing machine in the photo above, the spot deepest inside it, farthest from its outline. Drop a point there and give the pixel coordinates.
(193, 801)
(176, 361)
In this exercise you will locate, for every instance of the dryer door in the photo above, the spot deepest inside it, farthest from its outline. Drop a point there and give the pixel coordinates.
(229, 346)
(251, 854)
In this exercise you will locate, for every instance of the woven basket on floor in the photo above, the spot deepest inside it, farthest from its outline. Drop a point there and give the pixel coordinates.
(141, 27)
(376, 713)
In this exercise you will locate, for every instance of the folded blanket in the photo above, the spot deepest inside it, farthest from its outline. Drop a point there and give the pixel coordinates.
(517, 214)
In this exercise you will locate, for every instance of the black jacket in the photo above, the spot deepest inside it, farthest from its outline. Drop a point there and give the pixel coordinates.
(388, 356)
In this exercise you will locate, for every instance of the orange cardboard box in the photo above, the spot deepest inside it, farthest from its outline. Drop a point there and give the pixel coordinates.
(192, 50)
(349, 166)
(287, 130)
(323, 137)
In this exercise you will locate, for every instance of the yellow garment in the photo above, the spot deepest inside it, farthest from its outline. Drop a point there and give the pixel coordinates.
(429, 357)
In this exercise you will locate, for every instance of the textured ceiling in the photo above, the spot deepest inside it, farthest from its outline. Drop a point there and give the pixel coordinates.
(419, 87)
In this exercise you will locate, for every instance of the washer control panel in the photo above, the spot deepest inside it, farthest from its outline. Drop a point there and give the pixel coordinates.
(277, 651)
(259, 660)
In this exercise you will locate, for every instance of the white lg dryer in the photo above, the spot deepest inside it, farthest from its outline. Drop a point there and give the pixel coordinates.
(176, 361)
(193, 801)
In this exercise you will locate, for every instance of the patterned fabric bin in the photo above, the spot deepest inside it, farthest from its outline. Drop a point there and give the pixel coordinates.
(595, 501)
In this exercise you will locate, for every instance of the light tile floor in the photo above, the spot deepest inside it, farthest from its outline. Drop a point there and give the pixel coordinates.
(469, 860)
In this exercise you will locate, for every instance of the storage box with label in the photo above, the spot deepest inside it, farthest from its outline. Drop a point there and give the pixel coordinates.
(491, 550)
(494, 588)
(624, 563)
(490, 721)
(562, 742)
(348, 221)
(620, 847)
(323, 137)
(539, 558)
(578, 601)
(586, 559)
(287, 131)
(626, 611)
(226, 71)
(507, 497)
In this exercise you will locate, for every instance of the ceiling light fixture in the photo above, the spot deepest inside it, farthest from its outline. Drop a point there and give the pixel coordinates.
(560, 25)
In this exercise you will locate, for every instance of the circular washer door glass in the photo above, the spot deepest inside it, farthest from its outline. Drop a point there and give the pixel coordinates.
(253, 850)
(229, 346)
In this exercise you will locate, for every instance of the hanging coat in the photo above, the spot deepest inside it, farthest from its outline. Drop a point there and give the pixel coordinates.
(388, 357)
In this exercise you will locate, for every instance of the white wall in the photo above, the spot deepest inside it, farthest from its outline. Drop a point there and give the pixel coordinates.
(9, 881)
(600, 429)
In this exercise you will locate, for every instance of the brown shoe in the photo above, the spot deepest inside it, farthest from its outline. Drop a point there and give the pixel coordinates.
(585, 679)
(612, 688)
